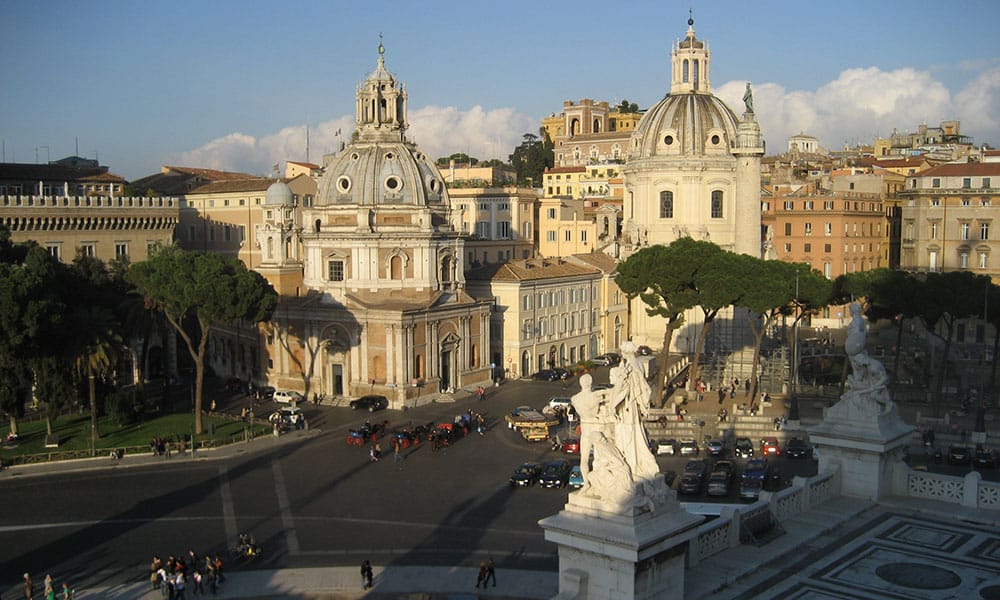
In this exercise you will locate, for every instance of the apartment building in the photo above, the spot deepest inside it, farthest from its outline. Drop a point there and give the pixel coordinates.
(950, 215)
(589, 131)
(500, 222)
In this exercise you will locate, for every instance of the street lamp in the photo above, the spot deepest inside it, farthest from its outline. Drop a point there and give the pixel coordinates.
(793, 409)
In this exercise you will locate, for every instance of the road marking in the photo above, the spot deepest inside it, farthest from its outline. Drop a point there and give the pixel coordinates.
(228, 508)
(291, 537)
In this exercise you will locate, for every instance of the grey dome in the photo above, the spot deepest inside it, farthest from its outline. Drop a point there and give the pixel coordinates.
(278, 194)
(381, 173)
(686, 124)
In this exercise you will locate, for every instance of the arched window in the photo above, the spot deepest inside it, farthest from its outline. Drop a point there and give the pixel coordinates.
(396, 267)
(473, 356)
(316, 225)
(686, 67)
(597, 126)
(696, 67)
(446, 263)
(666, 205)
(717, 204)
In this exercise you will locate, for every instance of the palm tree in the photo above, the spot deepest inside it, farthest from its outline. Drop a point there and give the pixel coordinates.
(98, 346)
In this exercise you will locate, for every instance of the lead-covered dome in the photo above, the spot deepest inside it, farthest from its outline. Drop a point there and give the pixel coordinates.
(686, 124)
(690, 120)
(278, 194)
(380, 166)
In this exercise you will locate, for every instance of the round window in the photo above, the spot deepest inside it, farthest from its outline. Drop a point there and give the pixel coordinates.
(393, 184)
(715, 140)
(668, 140)
(355, 156)
(344, 183)
(389, 156)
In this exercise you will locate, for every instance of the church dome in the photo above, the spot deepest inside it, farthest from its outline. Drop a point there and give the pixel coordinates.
(380, 166)
(278, 194)
(685, 124)
(690, 120)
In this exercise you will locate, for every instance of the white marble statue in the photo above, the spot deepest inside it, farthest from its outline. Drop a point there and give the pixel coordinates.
(623, 472)
(868, 382)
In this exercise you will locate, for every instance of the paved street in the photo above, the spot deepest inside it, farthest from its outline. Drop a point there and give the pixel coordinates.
(313, 500)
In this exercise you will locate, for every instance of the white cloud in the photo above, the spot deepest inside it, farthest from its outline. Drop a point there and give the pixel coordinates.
(438, 131)
(860, 104)
(979, 107)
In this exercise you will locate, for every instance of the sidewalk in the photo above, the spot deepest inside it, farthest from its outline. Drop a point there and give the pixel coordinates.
(103, 462)
(344, 583)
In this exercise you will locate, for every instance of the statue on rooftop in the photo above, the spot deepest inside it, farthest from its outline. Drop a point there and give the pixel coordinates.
(748, 99)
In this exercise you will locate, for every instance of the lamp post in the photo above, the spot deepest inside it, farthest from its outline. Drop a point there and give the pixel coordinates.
(793, 409)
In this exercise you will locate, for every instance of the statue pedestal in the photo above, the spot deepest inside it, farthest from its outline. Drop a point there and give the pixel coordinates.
(866, 440)
(606, 552)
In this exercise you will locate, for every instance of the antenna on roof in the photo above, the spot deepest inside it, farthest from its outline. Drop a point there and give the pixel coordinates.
(307, 143)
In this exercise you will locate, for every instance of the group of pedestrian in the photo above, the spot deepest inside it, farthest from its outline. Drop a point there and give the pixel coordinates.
(48, 589)
(487, 573)
(174, 575)
(160, 446)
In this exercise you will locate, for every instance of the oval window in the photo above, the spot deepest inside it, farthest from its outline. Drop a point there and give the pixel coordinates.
(715, 140)
(389, 156)
(393, 184)
(344, 183)
(668, 140)
(355, 156)
(435, 186)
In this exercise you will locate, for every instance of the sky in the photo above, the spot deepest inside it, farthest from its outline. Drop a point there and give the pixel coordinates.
(235, 85)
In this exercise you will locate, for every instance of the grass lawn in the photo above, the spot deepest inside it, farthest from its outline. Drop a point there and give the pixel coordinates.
(74, 434)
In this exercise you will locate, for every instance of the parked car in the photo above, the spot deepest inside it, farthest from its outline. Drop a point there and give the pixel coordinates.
(698, 466)
(796, 448)
(291, 416)
(233, 385)
(525, 475)
(644, 351)
(755, 469)
(265, 392)
(690, 484)
(750, 489)
(718, 484)
(560, 402)
(668, 446)
(769, 446)
(959, 455)
(555, 474)
(601, 386)
(725, 466)
(287, 397)
(689, 447)
(371, 403)
(985, 458)
(608, 359)
(743, 448)
(562, 374)
(571, 446)
(546, 375)
(715, 447)
(576, 477)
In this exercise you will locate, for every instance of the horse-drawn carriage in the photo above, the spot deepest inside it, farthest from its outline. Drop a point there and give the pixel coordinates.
(369, 432)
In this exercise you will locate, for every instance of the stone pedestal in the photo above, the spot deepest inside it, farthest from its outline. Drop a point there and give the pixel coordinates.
(866, 441)
(625, 553)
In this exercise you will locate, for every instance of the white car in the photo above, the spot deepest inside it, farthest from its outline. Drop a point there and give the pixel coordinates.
(560, 402)
(287, 397)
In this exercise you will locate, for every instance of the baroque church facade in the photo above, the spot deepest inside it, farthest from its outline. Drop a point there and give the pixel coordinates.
(692, 170)
(374, 302)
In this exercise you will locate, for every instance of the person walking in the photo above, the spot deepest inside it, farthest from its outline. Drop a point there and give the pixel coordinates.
(481, 578)
(481, 393)
(67, 593)
(366, 574)
(396, 447)
(29, 591)
(491, 573)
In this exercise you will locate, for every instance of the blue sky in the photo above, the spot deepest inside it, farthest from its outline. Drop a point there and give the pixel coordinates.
(233, 85)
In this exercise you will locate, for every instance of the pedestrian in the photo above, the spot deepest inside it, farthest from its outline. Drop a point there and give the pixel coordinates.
(481, 578)
(373, 453)
(166, 448)
(179, 586)
(197, 584)
(777, 423)
(29, 592)
(396, 447)
(722, 394)
(67, 593)
(491, 573)
(481, 393)
(49, 588)
(746, 387)
(366, 575)
(219, 574)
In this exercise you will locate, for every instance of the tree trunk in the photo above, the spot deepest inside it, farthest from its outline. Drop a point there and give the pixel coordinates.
(12, 419)
(758, 339)
(48, 424)
(664, 363)
(899, 351)
(95, 432)
(699, 348)
(199, 379)
(936, 401)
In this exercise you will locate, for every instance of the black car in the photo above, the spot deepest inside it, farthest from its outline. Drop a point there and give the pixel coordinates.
(797, 448)
(750, 489)
(370, 403)
(555, 474)
(546, 375)
(690, 484)
(525, 475)
(959, 455)
(718, 484)
(985, 459)
(743, 448)
(563, 374)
